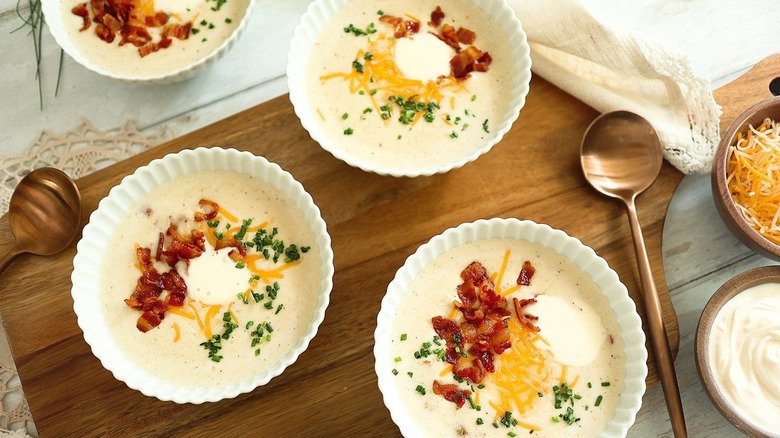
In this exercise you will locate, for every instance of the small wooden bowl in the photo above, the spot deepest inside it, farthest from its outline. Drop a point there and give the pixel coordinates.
(724, 203)
(730, 289)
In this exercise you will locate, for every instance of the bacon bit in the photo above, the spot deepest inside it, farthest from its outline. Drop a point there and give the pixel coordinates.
(451, 392)
(463, 63)
(525, 319)
(436, 16)
(111, 23)
(211, 207)
(178, 31)
(466, 36)
(526, 274)
(235, 243)
(160, 247)
(156, 20)
(81, 11)
(148, 49)
(450, 36)
(104, 33)
(401, 27)
(135, 35)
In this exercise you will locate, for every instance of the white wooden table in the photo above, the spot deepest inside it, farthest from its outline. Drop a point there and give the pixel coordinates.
(696, 264)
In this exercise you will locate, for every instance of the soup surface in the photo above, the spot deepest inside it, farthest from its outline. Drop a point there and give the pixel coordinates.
(397, 85)
(251, 279)
(557, 370)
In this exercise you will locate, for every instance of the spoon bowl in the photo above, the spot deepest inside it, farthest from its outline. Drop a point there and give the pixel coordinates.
(44, 214)
(621, 157)
(621, 154)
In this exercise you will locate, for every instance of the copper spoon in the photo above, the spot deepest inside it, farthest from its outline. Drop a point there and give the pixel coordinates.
(44, 213)
(621, 157)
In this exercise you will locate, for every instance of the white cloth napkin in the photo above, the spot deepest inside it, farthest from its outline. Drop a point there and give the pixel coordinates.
(611, 67)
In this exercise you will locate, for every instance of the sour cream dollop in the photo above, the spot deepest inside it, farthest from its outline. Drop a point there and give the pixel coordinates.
(573, 333)
(745, 354)
(423, 57)
(214, 278)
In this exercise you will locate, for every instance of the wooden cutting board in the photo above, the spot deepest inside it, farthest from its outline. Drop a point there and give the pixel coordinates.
(375, 222)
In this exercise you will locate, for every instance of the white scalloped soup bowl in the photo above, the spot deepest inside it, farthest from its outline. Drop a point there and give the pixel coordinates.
(570, 248)
(56, 22)
(93, 249)
(302, 46)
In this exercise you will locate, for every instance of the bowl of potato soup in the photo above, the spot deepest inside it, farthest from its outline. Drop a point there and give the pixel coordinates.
(144, 40)
(202, 275)
(506, 327)
(408, 88)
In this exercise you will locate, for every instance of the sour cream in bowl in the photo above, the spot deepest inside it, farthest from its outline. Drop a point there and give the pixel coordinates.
(145, 40)
(738, 351)
(408, 88)
(505, 327)
(202, 275)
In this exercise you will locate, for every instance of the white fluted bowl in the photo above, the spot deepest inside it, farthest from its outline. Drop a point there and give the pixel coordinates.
(60, 22)
(558, 241)
(317, 16)
(93, 250)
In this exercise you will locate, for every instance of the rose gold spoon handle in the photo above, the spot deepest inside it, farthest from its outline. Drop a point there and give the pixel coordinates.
(621, 156)
(658, 337)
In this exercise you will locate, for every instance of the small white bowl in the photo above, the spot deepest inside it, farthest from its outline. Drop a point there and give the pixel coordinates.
(93, 250)
(56, 22)
(302, 45)
(568, 247)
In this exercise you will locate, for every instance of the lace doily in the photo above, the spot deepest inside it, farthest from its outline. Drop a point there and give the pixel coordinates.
(78, 152)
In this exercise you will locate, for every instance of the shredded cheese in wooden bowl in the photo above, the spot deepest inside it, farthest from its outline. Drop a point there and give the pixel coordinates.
(753, 177)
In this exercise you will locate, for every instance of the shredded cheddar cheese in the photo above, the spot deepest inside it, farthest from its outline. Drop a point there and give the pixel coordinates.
(176, 332)
(379, 78)
(522, 372)
(753, 178)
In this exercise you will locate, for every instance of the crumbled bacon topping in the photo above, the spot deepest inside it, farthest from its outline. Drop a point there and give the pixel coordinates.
(149, 288)
(402, 27)
(483, 334)
(81, 11)
(123, 17)
(436, 16)
(525, 318)
(466, 60)
(526, 274)
(451, 392)
(151, 284)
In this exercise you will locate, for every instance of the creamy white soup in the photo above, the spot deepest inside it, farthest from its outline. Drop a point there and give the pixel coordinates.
(250, 270)
(396, 88)
(556, 371)
(149, 37)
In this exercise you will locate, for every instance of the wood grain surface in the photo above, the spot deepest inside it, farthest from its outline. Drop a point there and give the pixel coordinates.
(375, 222)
